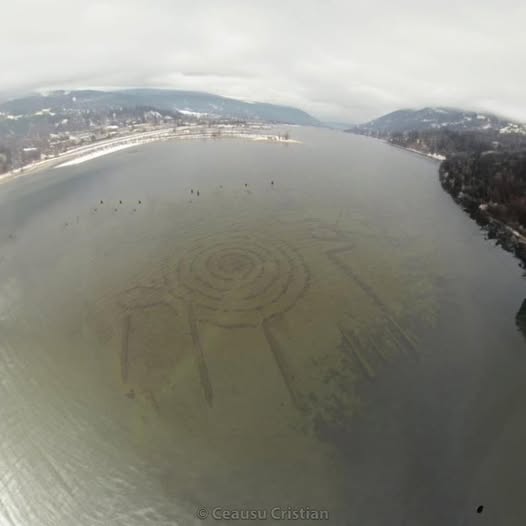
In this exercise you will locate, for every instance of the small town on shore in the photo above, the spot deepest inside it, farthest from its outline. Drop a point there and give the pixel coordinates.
(118, 131)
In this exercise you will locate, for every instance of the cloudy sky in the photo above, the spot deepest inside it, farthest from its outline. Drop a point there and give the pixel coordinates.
(340, 60)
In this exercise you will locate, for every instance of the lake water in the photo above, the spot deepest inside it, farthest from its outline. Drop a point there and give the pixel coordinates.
(322, 327)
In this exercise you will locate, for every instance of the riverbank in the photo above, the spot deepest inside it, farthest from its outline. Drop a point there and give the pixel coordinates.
(457, 174)
(86, 153)
(491, 187)
(471, 178)
(434, 156)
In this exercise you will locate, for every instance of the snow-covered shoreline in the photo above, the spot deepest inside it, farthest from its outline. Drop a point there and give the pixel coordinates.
(97, 153)
(186, 135)
(88, 152)
(434, 156)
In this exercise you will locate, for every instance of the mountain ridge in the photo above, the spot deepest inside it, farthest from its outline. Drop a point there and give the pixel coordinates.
(435, 118)
(197, 102)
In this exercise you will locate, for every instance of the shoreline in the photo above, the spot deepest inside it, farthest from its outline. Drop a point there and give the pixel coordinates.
(85, 153)
(432, 156)
(506, 236)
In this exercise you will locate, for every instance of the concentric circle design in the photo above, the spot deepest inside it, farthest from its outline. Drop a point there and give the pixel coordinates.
(241, 280)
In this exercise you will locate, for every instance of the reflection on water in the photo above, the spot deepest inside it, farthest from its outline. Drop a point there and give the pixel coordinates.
(308, 330)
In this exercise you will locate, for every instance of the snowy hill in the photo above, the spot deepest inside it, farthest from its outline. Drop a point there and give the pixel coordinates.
(186, 102)
(437, 118)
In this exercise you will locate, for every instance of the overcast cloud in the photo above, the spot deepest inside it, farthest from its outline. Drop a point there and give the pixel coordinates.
(339, 60)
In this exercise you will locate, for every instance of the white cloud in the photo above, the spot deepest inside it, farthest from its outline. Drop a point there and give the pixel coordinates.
(340, 60)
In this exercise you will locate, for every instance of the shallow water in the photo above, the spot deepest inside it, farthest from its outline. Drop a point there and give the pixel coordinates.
(342, 339)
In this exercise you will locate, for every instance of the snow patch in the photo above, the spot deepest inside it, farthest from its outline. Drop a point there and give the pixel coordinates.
(436, 156)
(513, 128)
(95, 154)
(192, 113)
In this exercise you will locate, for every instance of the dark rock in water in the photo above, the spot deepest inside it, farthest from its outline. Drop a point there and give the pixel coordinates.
(520, 318)
(139, 201)
(101, 202)
(272, 183)
(197, 193)
(191, 190)
(120, 202)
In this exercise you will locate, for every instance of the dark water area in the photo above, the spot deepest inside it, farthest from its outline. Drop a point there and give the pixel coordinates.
(253, 326)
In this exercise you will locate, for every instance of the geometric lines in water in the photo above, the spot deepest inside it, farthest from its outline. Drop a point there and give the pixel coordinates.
(242, 280)
(204, 377)
(356, 351)
(238, 280)
(280, 359)
(368, 351)
(405, 340)
(150, 350)
(390, 338)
